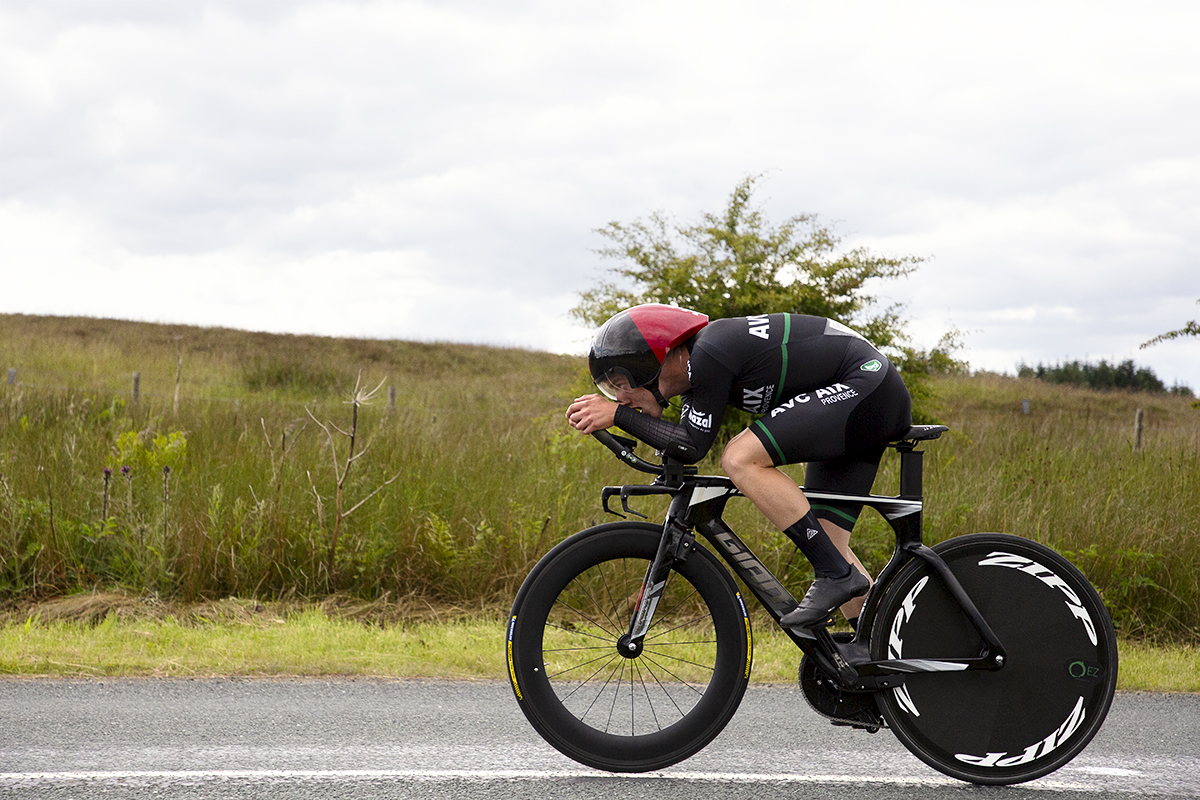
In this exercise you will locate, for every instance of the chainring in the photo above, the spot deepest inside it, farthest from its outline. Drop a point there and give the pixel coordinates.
(856, 709)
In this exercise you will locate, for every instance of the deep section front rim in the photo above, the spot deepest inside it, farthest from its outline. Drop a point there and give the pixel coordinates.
(602, 704)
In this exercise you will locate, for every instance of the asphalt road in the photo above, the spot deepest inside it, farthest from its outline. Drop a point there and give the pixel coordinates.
(411, 739)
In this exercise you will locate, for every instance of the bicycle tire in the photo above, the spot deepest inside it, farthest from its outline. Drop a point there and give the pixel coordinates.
(606, 710)
(1054, 690)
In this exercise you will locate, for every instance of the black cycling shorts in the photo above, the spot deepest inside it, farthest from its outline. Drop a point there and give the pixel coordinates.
(840, 432)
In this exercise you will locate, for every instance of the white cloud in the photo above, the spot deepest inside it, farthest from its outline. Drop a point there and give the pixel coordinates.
(460, 154)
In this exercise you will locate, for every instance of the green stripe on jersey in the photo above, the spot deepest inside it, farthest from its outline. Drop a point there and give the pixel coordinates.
(779, 459)
(832, 510)
(787, 332)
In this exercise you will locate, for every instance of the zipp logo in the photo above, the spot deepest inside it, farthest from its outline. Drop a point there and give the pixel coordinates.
(1013, 561)
(1039, 749)
(896, 642)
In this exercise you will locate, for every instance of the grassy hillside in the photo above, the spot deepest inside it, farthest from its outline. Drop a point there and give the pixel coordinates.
(236, 490)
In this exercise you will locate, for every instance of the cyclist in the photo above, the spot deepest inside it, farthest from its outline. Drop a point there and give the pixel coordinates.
(827, 397)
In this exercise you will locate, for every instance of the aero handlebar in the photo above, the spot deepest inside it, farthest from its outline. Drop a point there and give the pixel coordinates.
(622, 448)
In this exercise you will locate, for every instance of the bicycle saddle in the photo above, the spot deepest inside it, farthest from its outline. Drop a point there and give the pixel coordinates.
(918, 433)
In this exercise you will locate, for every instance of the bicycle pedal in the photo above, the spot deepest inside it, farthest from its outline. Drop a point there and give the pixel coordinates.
(862, 725)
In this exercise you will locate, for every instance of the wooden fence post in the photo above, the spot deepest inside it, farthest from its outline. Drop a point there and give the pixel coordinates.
(1138, 420)
(178, 375)
(137, 386)
(391, 398)
(12, 375)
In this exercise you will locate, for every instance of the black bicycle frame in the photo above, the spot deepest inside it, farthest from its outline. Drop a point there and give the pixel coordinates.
(698, 503)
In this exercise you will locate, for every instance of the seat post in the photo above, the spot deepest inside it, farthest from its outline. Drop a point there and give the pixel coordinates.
(911, 471)
(911, 466)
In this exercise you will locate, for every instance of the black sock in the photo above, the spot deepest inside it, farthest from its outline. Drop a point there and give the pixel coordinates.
(818, 548)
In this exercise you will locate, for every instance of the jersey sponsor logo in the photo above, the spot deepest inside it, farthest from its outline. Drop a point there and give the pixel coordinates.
(703, 422)
(782, 407)
(873, 365)
(828, 396)
(760, 326)
(835, 394)
(756, 401)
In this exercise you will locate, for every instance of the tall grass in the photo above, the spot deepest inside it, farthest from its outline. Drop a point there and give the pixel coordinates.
(235, 494)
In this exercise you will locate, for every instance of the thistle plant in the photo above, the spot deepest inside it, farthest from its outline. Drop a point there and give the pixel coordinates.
(342, 467)
(104, 509)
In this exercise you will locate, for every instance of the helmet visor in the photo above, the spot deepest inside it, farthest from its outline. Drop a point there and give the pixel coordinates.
(619, 379)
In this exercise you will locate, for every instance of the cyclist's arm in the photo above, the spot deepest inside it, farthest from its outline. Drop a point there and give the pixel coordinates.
(670, 437)
(703, 408)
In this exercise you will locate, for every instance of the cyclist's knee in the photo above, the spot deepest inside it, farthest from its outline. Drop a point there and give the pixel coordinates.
(744, 453)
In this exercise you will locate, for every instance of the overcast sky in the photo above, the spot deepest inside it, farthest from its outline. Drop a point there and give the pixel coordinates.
(437, 170)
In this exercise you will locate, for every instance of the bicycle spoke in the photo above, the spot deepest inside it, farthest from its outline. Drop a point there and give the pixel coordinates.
(665, 691)
(684, 624)
(681, 681)
(606, 658)
(614, 636)
(650, 703)
(670, 612)
(705, 667)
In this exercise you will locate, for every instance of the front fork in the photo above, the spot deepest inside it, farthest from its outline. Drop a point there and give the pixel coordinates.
(674, 546)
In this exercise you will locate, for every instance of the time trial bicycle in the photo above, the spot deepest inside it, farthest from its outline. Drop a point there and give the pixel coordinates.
(989, 656)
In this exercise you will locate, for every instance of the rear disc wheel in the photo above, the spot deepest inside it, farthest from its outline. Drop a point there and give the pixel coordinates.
(1048, 700)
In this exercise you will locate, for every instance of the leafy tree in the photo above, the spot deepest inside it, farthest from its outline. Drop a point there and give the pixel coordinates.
(1191, 328)
(738, 263)
(1125, 375)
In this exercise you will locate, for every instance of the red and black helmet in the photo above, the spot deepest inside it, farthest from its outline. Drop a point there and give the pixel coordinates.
(634, 343)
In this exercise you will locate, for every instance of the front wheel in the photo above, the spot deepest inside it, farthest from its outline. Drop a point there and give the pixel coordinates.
(1048, 700)
(609, 708)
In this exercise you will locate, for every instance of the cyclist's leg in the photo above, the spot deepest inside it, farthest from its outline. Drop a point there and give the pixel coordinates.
(840, 433)
(853, 475)
(782, 501)
(753, 471)
(841, 540)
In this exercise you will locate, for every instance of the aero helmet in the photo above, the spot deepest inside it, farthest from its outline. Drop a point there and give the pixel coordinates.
(633, 344)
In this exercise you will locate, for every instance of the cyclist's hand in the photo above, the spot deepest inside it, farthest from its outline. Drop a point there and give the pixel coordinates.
(591, 413)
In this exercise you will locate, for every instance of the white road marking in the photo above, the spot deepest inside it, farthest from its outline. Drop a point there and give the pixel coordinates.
(27, 778)
(1118, 772)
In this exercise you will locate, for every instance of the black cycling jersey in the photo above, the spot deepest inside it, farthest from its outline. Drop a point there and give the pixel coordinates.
(826, 395)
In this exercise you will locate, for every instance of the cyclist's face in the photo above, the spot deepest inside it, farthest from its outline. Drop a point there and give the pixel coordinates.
(641, 399)
(618, 387)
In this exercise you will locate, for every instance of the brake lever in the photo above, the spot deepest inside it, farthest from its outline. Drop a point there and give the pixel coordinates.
(624, 492)
(632, 490)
